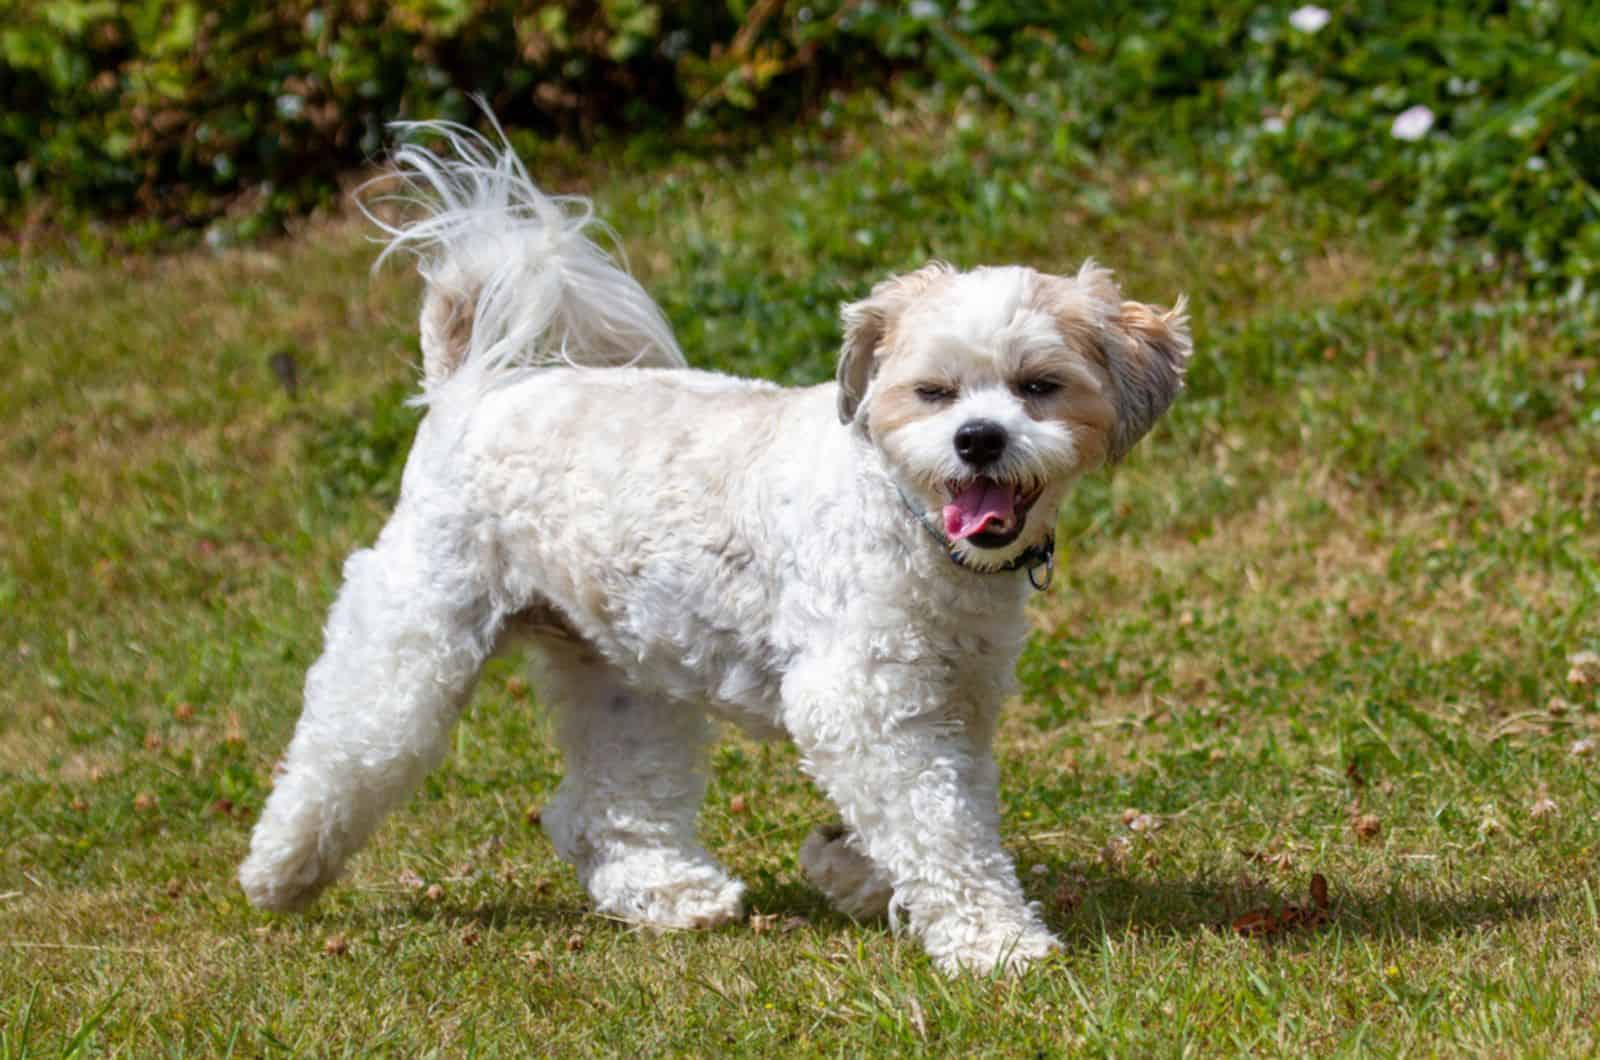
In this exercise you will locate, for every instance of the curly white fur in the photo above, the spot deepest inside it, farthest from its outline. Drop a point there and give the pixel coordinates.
(679, 544)
(513, 282)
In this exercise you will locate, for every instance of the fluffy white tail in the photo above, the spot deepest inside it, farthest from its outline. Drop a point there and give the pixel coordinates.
(513, 283)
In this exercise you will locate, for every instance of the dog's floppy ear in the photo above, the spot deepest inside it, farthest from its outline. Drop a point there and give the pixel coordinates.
(1147, 353)
(865, 324)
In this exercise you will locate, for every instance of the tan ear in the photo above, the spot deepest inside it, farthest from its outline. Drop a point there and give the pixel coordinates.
(866, 323)
(1147, 352)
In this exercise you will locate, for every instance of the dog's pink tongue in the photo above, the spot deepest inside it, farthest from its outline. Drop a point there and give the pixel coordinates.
(977, 506)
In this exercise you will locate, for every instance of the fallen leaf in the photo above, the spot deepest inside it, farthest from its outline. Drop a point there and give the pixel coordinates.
(152, 741)
(1256, 923)
(761, 923)
(736, 804)
(144, 801)
(1067, 896)
(1271, 923)
(183, 712)
(516, 687)
(1275, 859)
(1585, 668)
(174, 887)
(78, 805)
(574, 942)
(286, 370)
(435, 893)
(1367, 826)
(222, 808)
(470, 937)
(1139, 821)
(792, 923)
(534, 814)
(336, 946)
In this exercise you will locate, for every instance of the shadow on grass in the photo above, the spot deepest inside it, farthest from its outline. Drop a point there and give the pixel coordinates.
(1088, 907)
(1081, 907)
(560, 912)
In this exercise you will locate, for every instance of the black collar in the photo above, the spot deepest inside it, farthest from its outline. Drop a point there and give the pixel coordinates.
(1035, 558)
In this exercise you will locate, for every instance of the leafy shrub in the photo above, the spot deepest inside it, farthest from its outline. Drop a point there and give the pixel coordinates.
(1510, 92)
(178, 108)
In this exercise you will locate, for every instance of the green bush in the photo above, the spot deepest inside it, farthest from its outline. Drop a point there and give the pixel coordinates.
(1512, 90)
(180, 109)
(183, 110)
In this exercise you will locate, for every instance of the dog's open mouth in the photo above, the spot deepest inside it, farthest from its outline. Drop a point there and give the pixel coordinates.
(988, 513)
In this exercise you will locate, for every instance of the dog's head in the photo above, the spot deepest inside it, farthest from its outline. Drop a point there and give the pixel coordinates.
(990, 391)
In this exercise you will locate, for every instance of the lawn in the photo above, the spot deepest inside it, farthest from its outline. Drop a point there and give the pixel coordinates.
(1327, 621)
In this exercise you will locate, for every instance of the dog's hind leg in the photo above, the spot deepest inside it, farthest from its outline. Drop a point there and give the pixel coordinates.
(403, 647)
(625, 813)
(834, 863)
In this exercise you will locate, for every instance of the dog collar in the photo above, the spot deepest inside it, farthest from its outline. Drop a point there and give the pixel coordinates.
(1039, 560)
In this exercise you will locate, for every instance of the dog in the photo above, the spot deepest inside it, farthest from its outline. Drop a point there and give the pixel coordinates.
(843, 565)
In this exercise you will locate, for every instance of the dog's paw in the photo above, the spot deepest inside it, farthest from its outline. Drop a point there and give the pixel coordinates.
(292, 856)
(283, 879)
(982, 949)
(834, 866)
(658, 895)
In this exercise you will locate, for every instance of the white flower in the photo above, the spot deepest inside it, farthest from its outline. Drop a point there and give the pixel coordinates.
(1412, 123)
(925, 10)
(1274, 125)
(1310, 18)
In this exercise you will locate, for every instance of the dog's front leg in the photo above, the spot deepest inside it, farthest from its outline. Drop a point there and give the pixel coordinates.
(916, 784)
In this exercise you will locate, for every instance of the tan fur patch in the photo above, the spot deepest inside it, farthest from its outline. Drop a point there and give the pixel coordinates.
(895, 406)
(1090, 415)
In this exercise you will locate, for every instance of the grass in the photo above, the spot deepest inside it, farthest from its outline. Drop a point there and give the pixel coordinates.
(1340, 584)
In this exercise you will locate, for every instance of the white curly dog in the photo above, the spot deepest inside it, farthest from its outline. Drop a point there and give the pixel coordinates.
(845, 565)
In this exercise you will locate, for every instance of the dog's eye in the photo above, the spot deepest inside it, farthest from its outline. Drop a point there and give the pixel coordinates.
(1038, 387)
(936, 392)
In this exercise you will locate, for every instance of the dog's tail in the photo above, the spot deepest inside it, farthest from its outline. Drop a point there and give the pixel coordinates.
(513, 283)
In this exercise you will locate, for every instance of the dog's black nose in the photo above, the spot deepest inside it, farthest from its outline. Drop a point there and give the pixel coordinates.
(980, 442)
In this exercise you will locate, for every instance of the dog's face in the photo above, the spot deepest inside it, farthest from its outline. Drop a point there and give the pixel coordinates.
(990, 391)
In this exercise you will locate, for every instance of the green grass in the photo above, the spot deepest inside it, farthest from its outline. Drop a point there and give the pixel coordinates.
(1342, 579)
